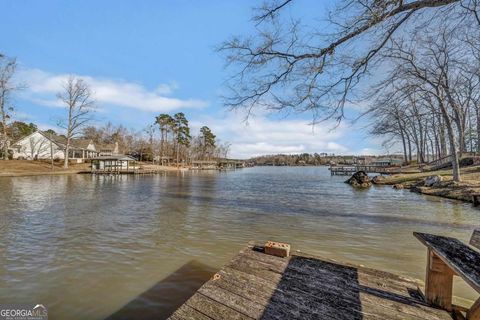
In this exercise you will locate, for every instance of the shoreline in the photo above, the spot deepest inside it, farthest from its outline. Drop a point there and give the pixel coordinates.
(445, 188)
(43, 173)
(26, 168)
(57, 173)
(413, 181)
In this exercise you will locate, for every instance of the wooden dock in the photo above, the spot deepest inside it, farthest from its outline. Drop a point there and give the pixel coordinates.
(342, 170)
(349, 170)
(126, 171)
(255, 285)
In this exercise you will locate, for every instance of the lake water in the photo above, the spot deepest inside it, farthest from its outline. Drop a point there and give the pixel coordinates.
(96, 247)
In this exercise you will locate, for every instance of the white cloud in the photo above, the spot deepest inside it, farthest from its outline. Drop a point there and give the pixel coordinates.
(43, 86)
(267, 136)
(261, 135)
(167, 88)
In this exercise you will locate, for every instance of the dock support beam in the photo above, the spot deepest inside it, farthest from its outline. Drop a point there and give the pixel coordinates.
(439, 282)
(474, 312)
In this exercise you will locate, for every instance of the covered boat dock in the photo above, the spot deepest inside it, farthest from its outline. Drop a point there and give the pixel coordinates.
(114, 164)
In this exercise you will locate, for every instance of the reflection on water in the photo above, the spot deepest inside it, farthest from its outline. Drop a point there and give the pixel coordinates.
(166, 296)
(93, 247)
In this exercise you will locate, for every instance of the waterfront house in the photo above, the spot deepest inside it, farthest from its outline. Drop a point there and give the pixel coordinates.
(163, 161)
(360, 160)
(83, 149)
(387, 162)
(37, 145)
(108, 149)
(204, 164)
(40, 145)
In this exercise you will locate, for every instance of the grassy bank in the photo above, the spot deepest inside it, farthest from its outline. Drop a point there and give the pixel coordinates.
(17, 168)
(20, 168)
(447, 188)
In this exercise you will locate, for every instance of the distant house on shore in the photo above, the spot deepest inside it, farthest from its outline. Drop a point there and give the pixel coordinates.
(83, 149)
(204, 164)
(40, 145)
(108, 149)
(163, 161)
(387, 162)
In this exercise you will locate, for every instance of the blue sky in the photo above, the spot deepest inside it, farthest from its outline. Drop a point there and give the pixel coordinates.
(142, 58)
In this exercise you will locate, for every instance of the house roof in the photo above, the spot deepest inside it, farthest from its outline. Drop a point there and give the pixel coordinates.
(117, 157)
(81, 143)
(54, 139)
(77, 143)
(106, 146)
(60, 141)
(74, 143)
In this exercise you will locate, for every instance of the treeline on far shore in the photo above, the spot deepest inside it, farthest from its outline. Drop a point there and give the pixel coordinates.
(313, 159)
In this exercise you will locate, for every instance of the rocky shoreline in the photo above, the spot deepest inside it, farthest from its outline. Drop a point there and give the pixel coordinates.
(437, 183)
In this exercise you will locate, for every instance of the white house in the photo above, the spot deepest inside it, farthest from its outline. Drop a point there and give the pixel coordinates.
(39, 145)
(82, 149)
(108, 149)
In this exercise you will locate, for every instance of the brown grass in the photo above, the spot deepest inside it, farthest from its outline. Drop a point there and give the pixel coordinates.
(13, 168)
(18, 168)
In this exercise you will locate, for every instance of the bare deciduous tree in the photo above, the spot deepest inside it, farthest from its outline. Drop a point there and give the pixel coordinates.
(77, 97)
(7, 70)
(432, 90)
(287, 66)
(38, 147)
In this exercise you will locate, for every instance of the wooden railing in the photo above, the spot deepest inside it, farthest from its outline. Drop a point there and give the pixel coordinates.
(439, 163)
(115, 170)
(346, 170)
(444, 161)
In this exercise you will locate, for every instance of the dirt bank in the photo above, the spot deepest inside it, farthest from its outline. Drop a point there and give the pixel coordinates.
(446, 188)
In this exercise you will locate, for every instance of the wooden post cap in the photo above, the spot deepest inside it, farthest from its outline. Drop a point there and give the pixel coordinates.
(278, 249)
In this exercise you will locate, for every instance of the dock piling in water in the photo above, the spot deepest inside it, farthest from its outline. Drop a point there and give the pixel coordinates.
(476, 199)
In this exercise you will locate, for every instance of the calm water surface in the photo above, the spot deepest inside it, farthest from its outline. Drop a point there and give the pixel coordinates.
(114, 247)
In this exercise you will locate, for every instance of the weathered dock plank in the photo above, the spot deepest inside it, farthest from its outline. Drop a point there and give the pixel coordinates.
(334, 281)
(186, 312)
(254, 285)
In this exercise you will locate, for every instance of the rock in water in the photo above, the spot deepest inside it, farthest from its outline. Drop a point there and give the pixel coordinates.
(359, 180)
(431, 181)
(378, 179)
(398, 186)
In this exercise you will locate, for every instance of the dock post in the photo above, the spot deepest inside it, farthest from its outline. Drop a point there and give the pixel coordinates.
(476, 199)
(439, 282)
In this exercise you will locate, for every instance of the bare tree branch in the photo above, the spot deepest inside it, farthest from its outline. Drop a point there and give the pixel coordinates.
(283, 67)
(77, 97)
